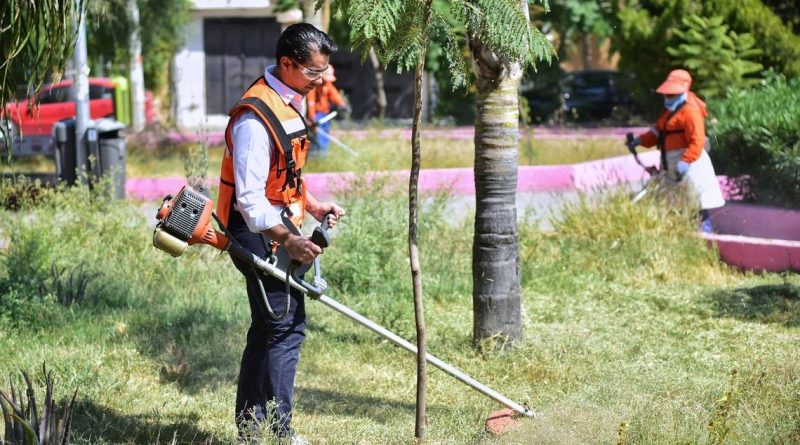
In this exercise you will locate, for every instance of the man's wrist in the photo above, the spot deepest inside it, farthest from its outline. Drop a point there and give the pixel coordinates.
(280, 234)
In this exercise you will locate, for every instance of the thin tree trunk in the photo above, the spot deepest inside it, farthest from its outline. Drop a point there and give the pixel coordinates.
(495, 249)
(413, 251)
(137, 75)
(380, 91)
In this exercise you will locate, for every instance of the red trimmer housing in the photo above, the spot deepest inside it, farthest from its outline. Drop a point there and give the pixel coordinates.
(186, 220)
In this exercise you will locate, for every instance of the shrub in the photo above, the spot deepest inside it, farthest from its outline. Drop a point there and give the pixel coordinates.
(717, 57)
(758, 134)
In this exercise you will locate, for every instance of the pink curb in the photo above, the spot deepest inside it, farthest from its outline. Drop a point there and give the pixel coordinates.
(457, 181)
(757, 238)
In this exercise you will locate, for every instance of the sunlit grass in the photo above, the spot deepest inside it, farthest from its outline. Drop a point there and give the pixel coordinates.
(391, 153)
(629, 321)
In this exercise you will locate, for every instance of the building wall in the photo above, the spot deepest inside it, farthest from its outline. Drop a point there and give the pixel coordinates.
(189, 72)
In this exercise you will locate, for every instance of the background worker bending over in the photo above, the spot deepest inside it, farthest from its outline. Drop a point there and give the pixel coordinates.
(680, 135)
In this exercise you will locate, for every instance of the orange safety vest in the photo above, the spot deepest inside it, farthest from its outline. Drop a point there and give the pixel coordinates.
(284, 182)
(320, 99)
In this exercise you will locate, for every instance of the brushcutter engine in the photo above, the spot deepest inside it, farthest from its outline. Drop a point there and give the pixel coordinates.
(185, 220)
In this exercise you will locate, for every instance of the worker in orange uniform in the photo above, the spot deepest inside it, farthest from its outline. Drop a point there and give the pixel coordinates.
(680, 135)
(320, 102)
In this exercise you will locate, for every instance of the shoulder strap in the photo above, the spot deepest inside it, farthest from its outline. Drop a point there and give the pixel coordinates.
(662, 135)
(283, 139)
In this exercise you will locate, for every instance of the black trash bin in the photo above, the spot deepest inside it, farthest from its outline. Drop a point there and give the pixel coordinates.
(66, 151)
(107, 147)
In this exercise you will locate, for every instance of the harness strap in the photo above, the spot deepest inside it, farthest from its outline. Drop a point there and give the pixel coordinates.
(283, 138)
(662, 136)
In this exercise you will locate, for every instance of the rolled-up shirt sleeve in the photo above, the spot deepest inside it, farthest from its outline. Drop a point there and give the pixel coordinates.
(251, 152)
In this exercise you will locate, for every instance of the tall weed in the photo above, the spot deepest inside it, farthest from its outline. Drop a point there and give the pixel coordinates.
(607, 238)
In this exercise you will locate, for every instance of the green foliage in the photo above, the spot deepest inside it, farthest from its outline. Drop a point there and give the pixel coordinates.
(647, 242)
(644, 29)
(718, 58)
(758, 134)
(37, 40)
(394, 28)
(26, 424)
(161, 29)
(780, 45)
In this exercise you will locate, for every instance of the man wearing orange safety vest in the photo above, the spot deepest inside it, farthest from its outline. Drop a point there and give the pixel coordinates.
(680, 135)
(321, 101)
(260, 183)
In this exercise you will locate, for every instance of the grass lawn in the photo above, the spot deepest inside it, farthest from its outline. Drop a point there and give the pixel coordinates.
(633, 330)
(377, 153)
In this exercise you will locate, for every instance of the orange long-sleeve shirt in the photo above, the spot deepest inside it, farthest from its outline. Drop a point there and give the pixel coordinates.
(685, 129)
(321, 98)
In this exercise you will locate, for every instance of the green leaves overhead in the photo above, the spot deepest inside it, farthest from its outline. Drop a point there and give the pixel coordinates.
(37, 39)
(394, 28)
(718, 57)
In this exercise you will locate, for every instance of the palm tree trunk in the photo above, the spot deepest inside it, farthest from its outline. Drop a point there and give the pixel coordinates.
(495, 248)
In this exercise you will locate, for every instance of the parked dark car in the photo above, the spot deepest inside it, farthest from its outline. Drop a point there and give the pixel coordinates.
(582, 96)
(594, 95)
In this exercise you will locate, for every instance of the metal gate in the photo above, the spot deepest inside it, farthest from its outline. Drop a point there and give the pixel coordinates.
(237, 51)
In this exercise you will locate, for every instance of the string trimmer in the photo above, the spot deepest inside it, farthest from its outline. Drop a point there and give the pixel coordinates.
(655, 176)
(185, 220)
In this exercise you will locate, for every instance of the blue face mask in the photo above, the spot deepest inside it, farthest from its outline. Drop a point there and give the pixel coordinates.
(672, 104)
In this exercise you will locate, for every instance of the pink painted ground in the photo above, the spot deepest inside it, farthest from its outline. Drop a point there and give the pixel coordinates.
(458, 181)
(748, 237)
(756, 237)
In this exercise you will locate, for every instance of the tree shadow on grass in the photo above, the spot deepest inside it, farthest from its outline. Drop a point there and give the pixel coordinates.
(196, 347)
(351, 404)
(94, 423)
(772, 303)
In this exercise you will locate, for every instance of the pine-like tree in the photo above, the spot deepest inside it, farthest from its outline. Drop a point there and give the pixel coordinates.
(718, 57)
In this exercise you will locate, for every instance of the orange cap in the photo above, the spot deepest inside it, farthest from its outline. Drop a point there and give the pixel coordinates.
(329, 76)
(678, 82)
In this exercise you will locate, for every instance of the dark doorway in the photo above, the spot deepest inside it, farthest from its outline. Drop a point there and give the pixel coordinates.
(237, 51)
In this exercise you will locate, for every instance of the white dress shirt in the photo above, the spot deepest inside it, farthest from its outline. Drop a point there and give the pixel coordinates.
(252, 146)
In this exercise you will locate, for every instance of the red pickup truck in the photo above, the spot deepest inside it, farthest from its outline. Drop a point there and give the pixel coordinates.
(55, 105)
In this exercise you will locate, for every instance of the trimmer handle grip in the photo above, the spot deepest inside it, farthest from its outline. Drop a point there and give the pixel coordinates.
(630, 143)
(320, 235)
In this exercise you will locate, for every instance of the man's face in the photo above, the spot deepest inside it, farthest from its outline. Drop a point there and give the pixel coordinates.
(304, 77)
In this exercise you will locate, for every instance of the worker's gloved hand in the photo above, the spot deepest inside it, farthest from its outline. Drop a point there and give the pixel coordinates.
(632, 142)
(312, 124)
(652, 170)
(682, 168)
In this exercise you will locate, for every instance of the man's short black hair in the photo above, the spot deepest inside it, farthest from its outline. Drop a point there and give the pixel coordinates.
(298, 41)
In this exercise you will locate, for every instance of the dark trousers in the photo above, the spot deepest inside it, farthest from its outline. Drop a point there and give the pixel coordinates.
(269, 360)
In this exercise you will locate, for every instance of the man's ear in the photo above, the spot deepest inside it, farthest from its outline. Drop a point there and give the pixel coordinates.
(285, 62)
